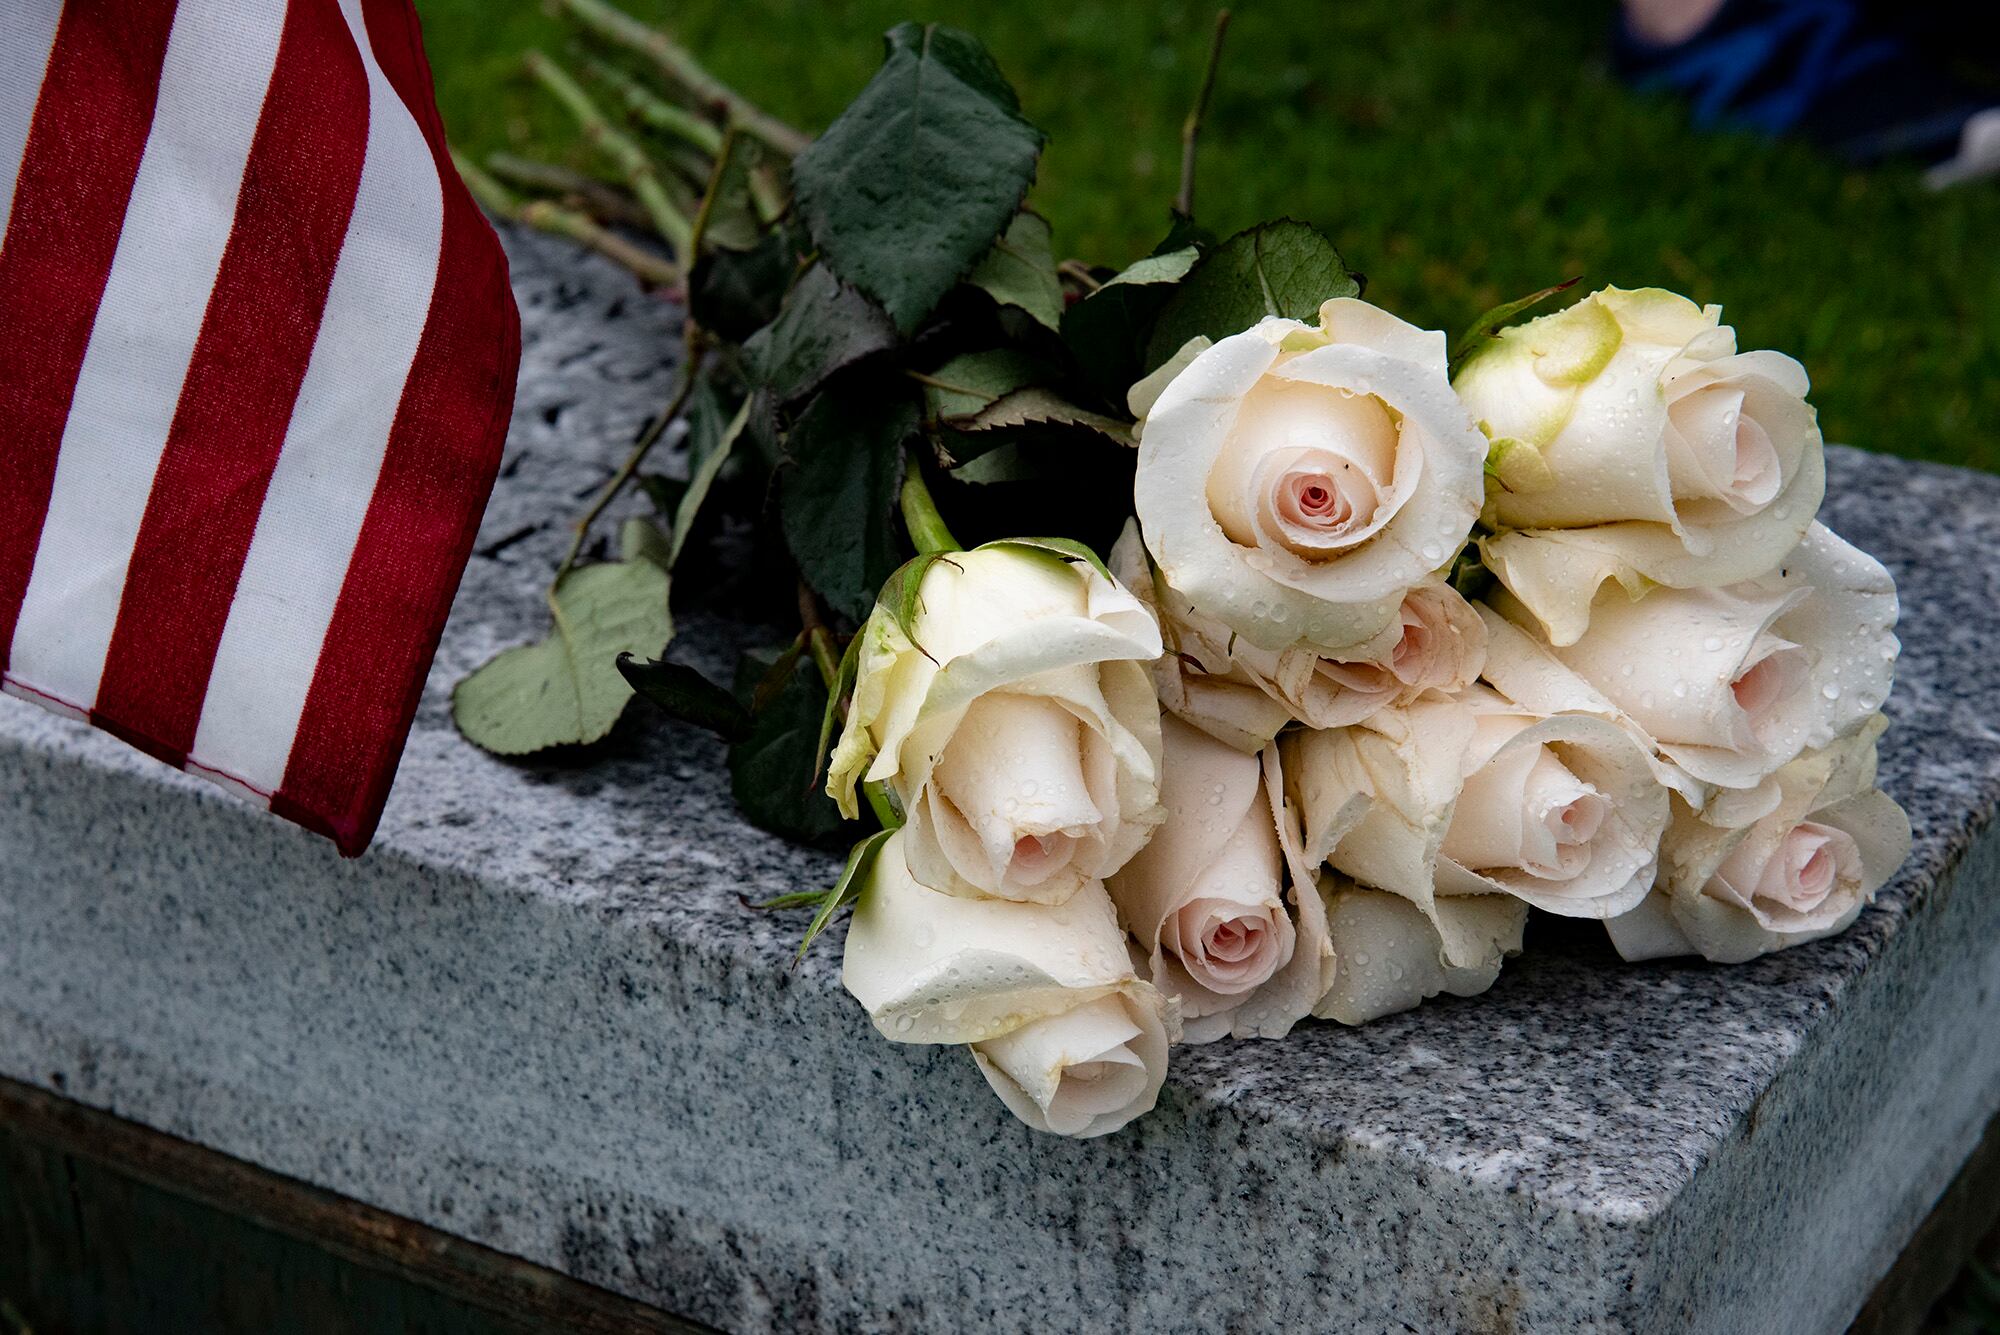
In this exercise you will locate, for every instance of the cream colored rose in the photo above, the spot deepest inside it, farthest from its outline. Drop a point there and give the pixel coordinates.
(1241, 694)
(1800, 871)
(1389, 958)
(1733, 682)
(1013, 720)
(1207, 900)
(1068, 1036)
(1631, 442)
(1478, 796)
(1294, 482)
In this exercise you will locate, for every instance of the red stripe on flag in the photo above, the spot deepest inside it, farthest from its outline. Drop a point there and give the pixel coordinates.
(442, 455)
(256, 338)
(83, 151)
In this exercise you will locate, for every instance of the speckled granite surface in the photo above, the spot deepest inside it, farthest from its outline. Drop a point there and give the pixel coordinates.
(535, 1015)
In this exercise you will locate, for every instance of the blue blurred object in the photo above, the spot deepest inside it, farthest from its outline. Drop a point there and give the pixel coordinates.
(1825, 70)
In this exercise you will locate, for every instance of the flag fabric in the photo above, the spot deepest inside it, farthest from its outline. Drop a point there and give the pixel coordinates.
(257, 357)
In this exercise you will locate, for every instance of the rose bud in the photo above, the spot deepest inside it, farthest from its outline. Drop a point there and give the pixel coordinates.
(1388, 957)
(1243, 695)
(1066, 1033)
(1206, 897)
(1477, 796)
(1800, 871)
(1731, 683)
(1632, 442)
(1014, 722)
(1294, 481)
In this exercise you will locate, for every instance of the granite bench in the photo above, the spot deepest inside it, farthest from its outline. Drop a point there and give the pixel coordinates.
(535, 1015)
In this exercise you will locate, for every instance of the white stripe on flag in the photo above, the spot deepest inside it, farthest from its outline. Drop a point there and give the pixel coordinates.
(27, 35)
(319, 494)
(218, 65)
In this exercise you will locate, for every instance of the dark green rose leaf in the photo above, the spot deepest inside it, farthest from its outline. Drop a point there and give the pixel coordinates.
(1035, 406)
(686, 695)
(1107, 331)
(968, 383)
(771, 765)
(1277, 268)
(837, 499)
(823, 327)
(736, 293)
(1020, 271)
(918, 177)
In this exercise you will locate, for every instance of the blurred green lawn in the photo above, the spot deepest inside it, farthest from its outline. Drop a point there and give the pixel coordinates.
(1460, 153)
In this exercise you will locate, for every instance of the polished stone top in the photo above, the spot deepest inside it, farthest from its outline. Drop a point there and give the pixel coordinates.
(538, 1015)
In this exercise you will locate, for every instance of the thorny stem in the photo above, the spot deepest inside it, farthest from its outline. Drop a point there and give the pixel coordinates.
(672, 224)
(920, 513)
(716, 177)
(640, 448)
(545, 216)
(614, 24)
(1191, 128)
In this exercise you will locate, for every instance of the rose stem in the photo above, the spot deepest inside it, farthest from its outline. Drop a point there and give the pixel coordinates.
(614, 24)
(655, 112)
(631, 159)
(1191, 128)
(605, 202)
(640, 448)
(544, 216)
(920, 513)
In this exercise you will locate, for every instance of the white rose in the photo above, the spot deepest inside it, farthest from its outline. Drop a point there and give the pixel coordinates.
(1243, 695)
(1478, 796)
(1013, 720)
(1294, 481)
(1800, 871)
(1732, 682)
(1206, 897)
(1066, 1033)
(1632, 442)
(1389, 958)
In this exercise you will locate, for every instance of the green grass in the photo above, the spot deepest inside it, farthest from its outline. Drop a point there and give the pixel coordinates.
(1460, 152)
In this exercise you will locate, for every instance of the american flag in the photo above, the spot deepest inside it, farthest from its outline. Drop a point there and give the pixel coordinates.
(257, 354)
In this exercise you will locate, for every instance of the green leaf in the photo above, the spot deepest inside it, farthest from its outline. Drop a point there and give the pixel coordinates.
(1107, 331)
(837, 502)
(705, 466)
(853, 880)
(732, 222)
(1496, 319)
(1277, 268)
(641, 540)
(823, 327)
(687, 695)
(1168, 268)
(566, 689)
(771, 766)
(915, 180)
(1020, 271)
(736, 293)
(1035, 406)
(797, 899)
(974, 380)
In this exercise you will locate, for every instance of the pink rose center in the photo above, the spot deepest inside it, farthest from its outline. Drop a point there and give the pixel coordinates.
(1762, 689)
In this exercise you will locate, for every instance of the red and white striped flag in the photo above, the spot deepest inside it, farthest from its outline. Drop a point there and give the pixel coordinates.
(257, 354)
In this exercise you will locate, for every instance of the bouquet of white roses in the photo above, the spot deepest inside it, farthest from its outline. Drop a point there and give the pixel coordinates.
(1350, 649)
